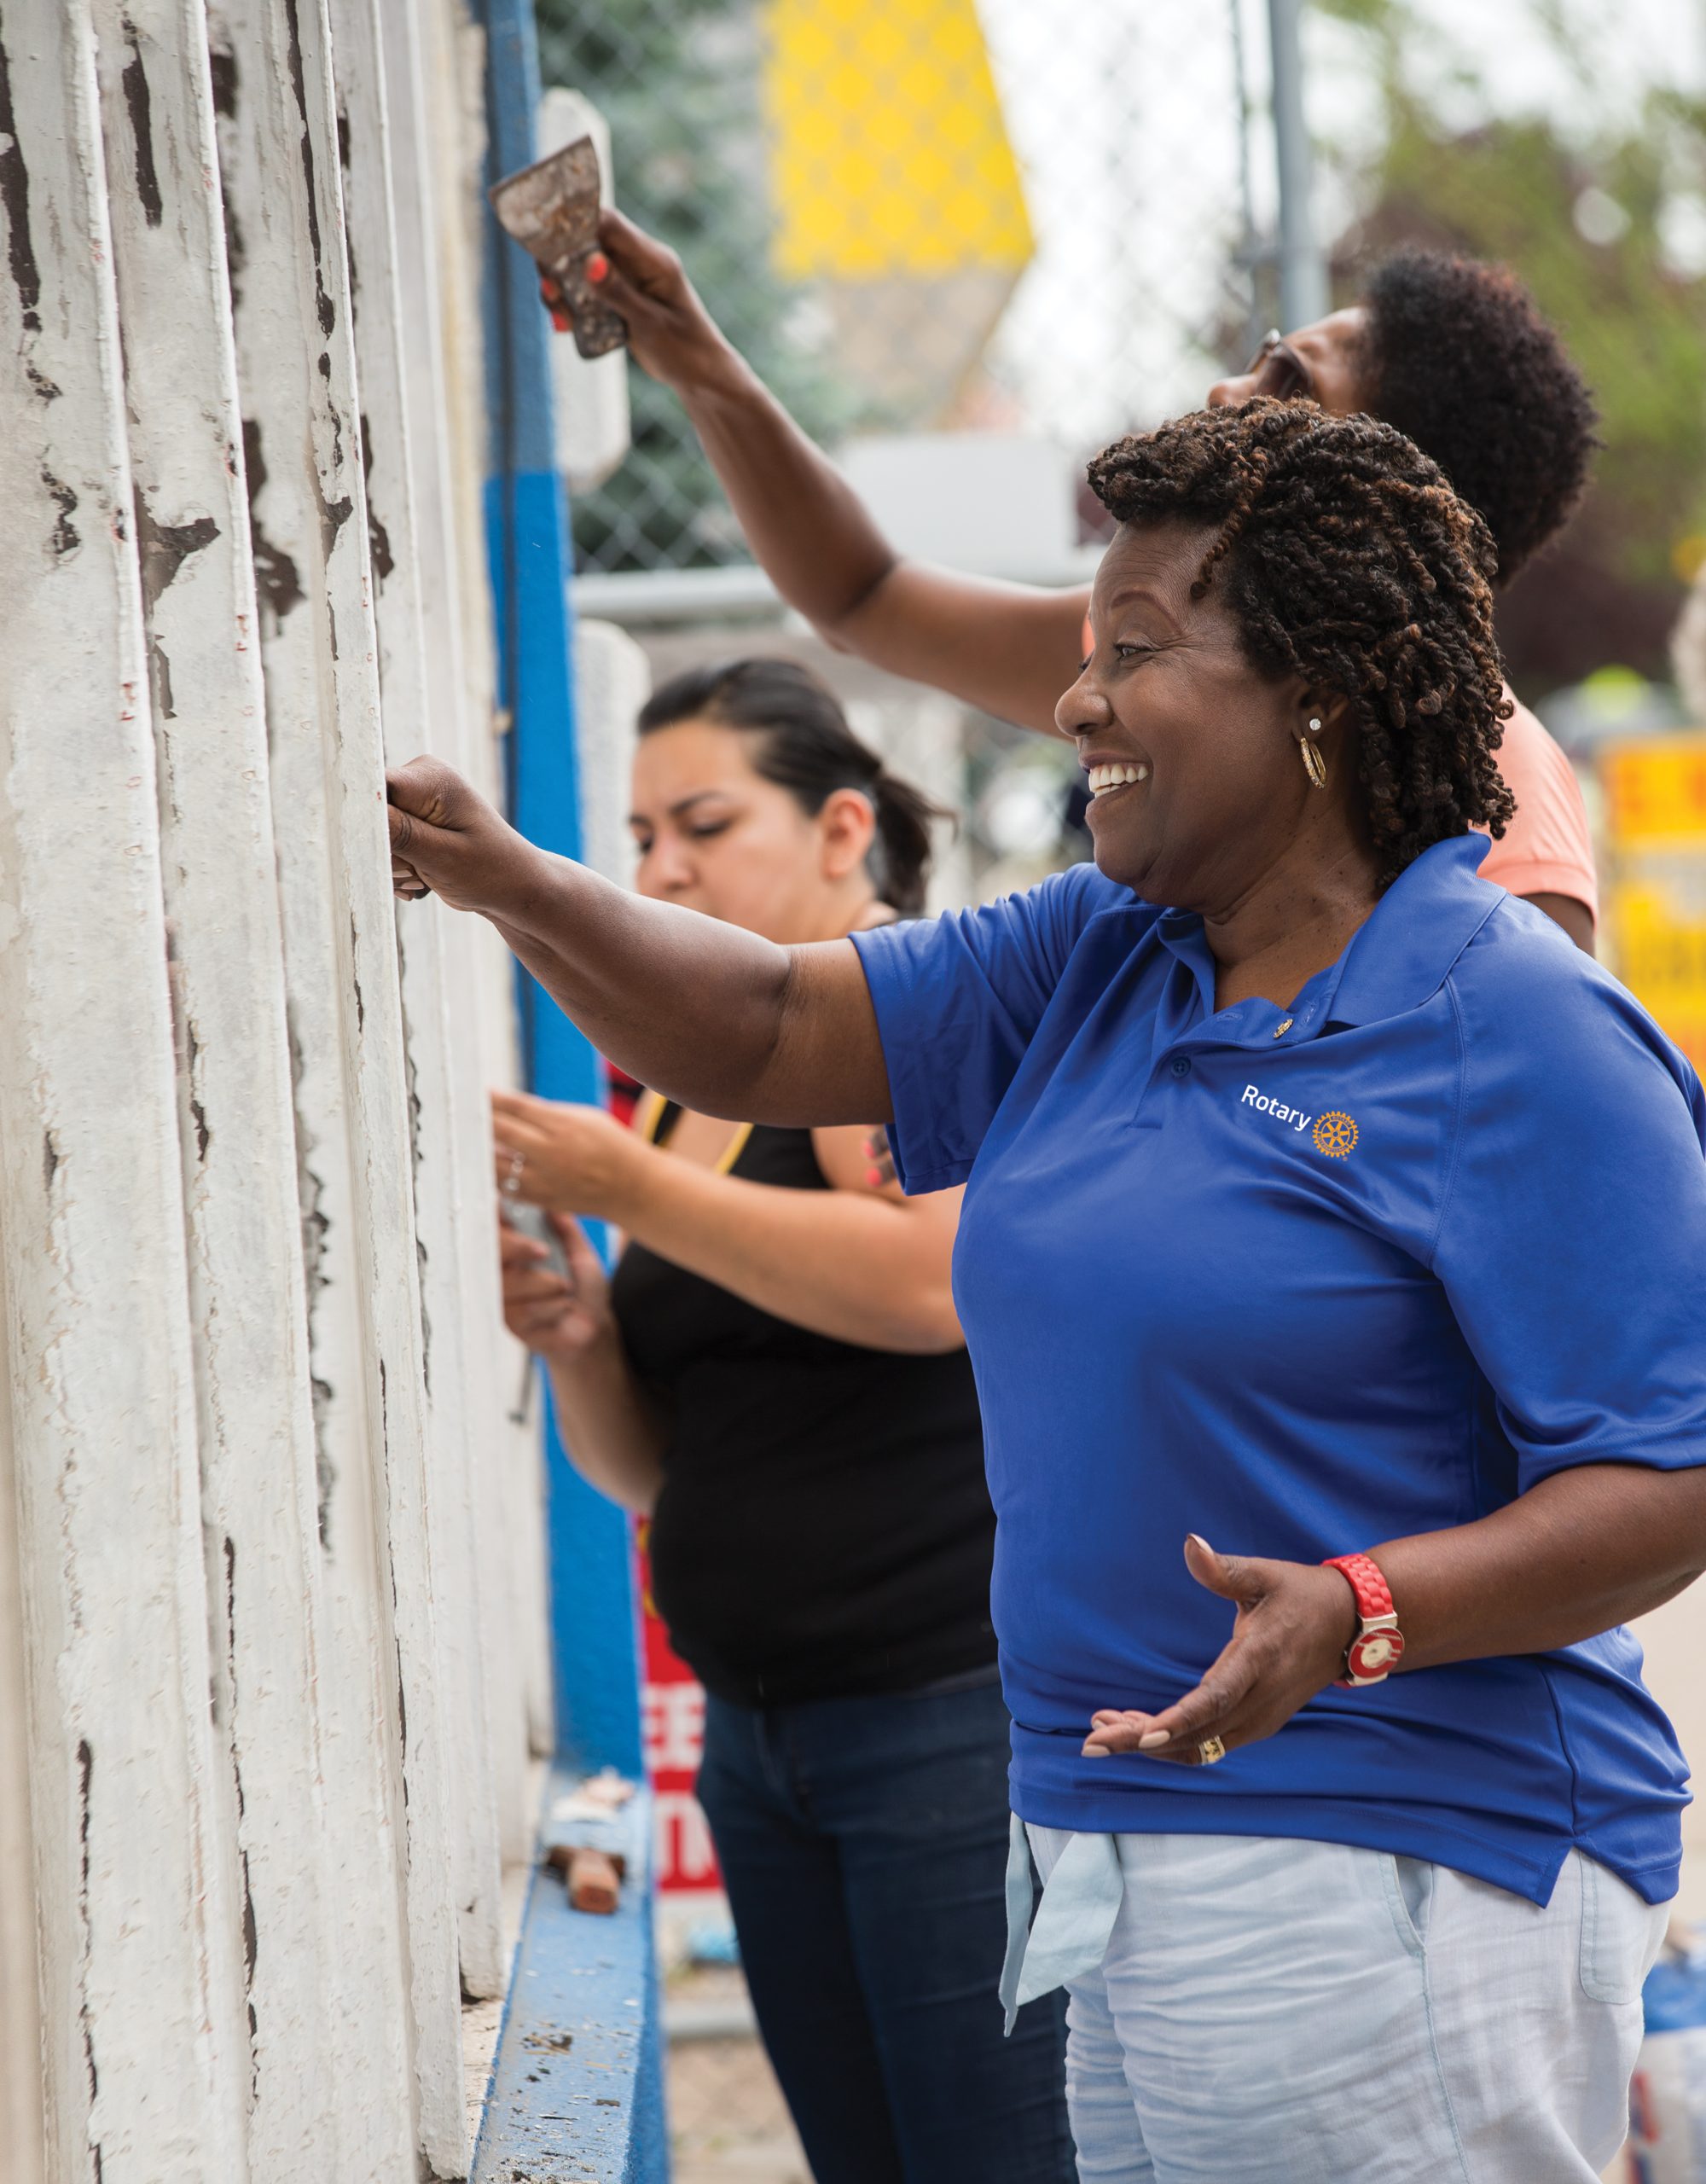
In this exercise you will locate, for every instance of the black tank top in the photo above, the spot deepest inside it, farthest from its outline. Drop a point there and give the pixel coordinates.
(824, 1528)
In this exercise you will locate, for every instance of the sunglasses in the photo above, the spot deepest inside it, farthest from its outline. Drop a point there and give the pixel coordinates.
(1278, 370)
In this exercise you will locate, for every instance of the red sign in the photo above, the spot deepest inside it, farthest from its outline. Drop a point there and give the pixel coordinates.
(674, 1726)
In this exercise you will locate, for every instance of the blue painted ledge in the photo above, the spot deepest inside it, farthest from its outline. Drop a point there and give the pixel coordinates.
(577, 2093)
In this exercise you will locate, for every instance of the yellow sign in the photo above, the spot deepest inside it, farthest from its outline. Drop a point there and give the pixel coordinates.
(1656, 813)
(1656, 790)
(889, 156)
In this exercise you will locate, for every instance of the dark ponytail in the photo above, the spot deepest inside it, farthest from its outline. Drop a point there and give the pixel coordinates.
(809, 749)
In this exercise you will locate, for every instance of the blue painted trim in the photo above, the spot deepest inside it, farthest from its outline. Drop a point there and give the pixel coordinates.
(594, 2110)
(527, 550)
(577, 2087)
(596, 1646)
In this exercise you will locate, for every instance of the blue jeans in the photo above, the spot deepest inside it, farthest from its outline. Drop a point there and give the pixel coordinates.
(863, 1845)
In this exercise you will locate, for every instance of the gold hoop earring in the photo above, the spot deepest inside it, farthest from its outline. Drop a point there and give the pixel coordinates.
(1314, 766)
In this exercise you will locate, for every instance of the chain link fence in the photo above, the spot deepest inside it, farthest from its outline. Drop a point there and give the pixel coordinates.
(986, 225)
(925, 216)
(929, 217)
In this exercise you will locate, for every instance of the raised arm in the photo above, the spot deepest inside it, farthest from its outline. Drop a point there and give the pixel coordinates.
(705, 1012)
(1009, 648)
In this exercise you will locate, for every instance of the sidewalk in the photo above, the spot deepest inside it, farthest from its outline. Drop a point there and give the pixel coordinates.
(729, 2124)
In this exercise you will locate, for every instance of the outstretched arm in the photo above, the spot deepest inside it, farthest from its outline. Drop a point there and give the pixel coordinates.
(1009, 648)
(705, 1012)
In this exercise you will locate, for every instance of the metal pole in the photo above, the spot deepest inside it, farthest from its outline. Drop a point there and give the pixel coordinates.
(1255, 252)
(1303, 271)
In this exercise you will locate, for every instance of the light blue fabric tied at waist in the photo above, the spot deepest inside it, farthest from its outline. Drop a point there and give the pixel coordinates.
(1069, 1938)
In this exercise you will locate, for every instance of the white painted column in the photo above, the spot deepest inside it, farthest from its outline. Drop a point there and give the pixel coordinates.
(452, 63)
(139, 1926)
(236, 1128)
(418, 666)
(382, 1712)
(21, 2121)
(435, 182)
(613, 682)
(270, 1630)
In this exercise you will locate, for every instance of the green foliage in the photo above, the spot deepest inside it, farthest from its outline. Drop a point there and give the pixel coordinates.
(1511, 188)
(1364, 15)
(678, 80)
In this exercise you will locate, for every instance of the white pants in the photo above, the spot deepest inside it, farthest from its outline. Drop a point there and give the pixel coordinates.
(1272, 2012)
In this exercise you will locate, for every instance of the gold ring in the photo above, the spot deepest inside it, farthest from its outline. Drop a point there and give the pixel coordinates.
(1211, 1751)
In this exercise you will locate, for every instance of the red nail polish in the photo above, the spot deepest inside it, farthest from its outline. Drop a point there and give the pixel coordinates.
(873, 1176)
(598, 266)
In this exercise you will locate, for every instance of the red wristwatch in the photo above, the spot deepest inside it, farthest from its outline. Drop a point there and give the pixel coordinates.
(1379, 1645)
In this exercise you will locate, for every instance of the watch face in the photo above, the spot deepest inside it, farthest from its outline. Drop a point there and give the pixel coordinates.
(1375, 1652)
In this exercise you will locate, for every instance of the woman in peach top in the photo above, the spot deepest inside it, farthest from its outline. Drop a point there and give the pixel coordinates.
(1451, 351)
(1547, 854)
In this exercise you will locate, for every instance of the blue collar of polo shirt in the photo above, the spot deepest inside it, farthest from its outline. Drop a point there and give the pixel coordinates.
(1417, 931)
(1398, 959)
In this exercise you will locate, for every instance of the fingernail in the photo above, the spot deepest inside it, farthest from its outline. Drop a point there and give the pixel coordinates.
(1154, 1738)
(598, 266)
(1196, 1539)
(873, 1175)
(1096, 1751)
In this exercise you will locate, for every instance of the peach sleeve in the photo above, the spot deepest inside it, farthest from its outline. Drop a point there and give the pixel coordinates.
(1547, 849)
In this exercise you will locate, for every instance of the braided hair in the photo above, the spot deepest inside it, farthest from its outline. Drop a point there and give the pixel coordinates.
(1345, 558)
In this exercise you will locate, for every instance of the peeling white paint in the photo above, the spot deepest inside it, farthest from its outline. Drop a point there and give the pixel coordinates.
(261, 1630)
(236, 1128)
(395, 319)
(133, 1912)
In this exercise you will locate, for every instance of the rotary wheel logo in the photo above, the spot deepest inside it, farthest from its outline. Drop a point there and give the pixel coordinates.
(1336, 1134)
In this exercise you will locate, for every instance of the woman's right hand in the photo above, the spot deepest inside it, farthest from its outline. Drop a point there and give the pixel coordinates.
(447, 841)
(670, 333)
(558, 1321)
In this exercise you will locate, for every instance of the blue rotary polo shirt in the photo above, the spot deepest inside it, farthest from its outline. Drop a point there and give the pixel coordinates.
(1304, 1279)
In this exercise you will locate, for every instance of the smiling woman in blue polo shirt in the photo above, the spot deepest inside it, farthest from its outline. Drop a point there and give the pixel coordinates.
(1340, 1221)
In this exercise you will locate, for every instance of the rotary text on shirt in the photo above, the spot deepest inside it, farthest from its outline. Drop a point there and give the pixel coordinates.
(1252, 1098)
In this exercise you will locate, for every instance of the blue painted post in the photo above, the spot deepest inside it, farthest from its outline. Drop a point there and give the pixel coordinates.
(594, 1624)
(594, 1628)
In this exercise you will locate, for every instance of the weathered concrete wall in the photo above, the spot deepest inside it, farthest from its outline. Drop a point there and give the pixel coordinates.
(270, 1593)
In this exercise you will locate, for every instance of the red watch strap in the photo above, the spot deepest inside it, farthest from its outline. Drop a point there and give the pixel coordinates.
(1374, 1593)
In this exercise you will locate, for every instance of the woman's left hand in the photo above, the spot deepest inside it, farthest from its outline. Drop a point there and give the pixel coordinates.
(1295, 1620)
(573, 1159)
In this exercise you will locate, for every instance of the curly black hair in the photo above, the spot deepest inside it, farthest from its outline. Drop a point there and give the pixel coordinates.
(1346, 559)
(1461, 361)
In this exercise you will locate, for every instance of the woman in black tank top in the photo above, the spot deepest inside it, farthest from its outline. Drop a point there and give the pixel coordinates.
(776, 1372)
(823, 1527)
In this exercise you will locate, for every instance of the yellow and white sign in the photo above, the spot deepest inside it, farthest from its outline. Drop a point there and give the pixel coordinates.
(1655, 792)
(889, 153)
(1656, 820)
(897, 192)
